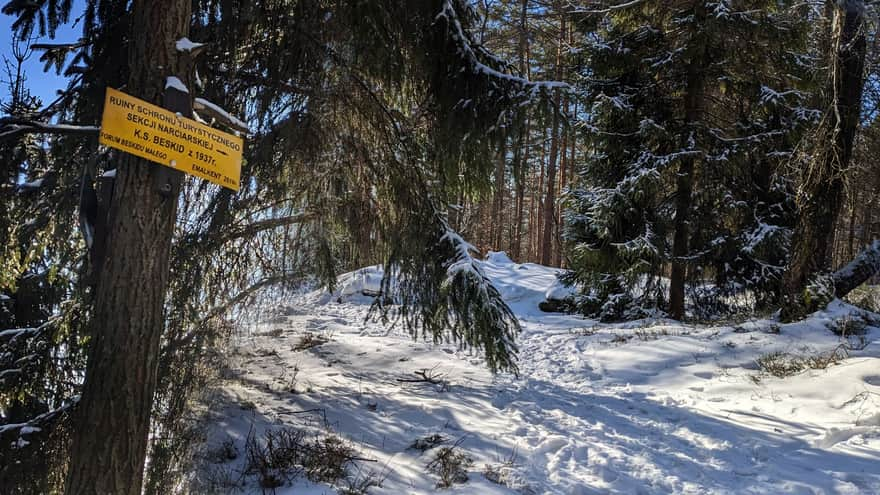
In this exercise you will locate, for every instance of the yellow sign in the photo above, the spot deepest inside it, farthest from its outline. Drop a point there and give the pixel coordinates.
(159, 135)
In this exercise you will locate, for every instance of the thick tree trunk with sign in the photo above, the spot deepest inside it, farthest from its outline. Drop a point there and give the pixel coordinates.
(110, 435)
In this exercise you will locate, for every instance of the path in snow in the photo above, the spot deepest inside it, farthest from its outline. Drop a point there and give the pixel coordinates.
(642, 407)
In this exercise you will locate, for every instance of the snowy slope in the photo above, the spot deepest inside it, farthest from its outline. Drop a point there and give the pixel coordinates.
(638, 408)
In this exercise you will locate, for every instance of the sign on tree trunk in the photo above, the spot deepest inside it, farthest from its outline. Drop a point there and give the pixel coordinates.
(161, 136)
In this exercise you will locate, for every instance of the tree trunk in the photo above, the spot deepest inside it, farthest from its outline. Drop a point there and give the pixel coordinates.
(537, 199)
(521, 159)
(110, 434)
(550, 197)
(857, 271)
(693, 100)
(821, 189)
(496, 224)
(564, 164)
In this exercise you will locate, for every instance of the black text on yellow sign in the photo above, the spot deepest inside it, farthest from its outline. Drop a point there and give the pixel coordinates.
(154, 133)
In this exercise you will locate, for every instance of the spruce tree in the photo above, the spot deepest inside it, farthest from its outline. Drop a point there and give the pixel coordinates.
(694, 107)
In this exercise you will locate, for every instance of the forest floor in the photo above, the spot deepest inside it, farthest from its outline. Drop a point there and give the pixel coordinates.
(650, 406)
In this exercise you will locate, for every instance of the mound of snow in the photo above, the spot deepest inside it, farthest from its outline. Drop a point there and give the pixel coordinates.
(499, 258)
(364, 282)
(559, 291)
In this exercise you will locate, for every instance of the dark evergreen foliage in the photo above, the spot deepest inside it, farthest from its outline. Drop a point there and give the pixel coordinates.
(639, 66)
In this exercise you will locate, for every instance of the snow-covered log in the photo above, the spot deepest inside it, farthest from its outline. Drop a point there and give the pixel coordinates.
(857, 271)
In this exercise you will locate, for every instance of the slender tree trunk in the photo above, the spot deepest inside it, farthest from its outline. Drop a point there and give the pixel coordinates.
(851, 240)
(522, 149)
(538, 201)
(520, 177)
(496, 224)
(821, 189)
(693, 101)
(109, 439)
(564, 164)
(550, 197)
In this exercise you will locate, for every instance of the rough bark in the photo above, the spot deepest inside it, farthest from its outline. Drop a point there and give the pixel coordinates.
(497, 223)
(538, 202)
(693, 100)
(521, 158)
(858, 271)
(111, 425)
(549, 220)
(553, 158)
(821, 189)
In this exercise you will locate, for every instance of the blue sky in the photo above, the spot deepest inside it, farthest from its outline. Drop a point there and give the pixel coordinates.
(42, 84)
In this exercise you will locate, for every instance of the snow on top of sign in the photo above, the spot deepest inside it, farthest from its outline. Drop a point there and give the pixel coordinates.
(173, 82)
(109, 173)
(185, 45)
(221, 112)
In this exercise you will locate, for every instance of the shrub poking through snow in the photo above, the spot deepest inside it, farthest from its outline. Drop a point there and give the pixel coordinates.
(783, 364)
(224, 452)
(327, 459)
(849, 325)
(866, 297)
(310, 340)
(285, 454)
(360, 483)
(451, 465)
(277, 458)
(501, 473)
(428, 442)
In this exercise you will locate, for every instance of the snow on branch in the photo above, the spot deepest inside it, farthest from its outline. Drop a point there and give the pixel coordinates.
(607, 10)
(219, 114)
(175, 83)
(449, 14)
(12, 127)
(442, 293)
(184, 45)
(17, 435)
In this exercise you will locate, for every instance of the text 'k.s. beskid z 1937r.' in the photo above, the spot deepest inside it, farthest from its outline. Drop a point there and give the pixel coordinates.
(148, 131)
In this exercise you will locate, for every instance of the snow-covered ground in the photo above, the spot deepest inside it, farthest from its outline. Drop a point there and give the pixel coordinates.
(638, 408)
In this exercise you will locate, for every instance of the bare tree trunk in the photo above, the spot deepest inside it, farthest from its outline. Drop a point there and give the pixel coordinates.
(538, 202)
(522, 149)
(821, 190)
(693, 100)
(550, 196)
(109, 437)
(563, 175)
(850, 247)
(522, 161)
(496, 224)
